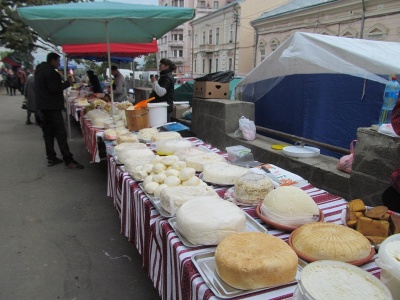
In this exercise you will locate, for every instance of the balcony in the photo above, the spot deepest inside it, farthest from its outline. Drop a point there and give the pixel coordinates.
(175, 44)
(207, 47)
(177, 60)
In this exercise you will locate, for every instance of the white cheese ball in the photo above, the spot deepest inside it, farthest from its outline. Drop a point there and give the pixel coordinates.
(151, 187)
(178, 165)
(147, 168)
(158, 168)
(139, 175)
(157, 192)
(186, 173)
(169, 160)
(160, 177)
(172, 172)
(193, 181)
(156, 159)
(172, 181)
(148, 179)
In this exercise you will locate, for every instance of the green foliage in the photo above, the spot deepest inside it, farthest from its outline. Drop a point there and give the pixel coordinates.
(150, 62)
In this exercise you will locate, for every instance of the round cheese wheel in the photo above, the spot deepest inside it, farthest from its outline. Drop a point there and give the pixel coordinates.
(252, 260)
(329, 241)
(206, 220)
(252, 188)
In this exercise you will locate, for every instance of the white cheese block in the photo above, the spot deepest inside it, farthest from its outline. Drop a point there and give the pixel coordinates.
(147, 133)
(171, 198)
(166, 135)
(127, 138)
(290, 206)
(183, 153)
(170, 146)
(223, 173)
(207, 220)
(198, 162)
(252, 188)
(134, 153)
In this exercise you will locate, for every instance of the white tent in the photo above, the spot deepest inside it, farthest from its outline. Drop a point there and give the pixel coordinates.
(308, 53)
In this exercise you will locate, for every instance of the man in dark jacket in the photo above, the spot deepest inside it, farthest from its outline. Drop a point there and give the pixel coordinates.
(49, 96)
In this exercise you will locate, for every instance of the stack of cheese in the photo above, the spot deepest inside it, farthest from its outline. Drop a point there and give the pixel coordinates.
(251, 188)
(223, 173)
(127, 138)
(207, 220)
(290, 206)
(374, 223)
(198, 162)
(170, 146)
(146, 133)
(137, 150)
(166, 135)
(110, 134)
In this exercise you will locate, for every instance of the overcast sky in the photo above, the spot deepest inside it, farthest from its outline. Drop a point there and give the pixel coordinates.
(41, 54)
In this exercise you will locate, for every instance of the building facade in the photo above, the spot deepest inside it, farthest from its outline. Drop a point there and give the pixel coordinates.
(372, 19)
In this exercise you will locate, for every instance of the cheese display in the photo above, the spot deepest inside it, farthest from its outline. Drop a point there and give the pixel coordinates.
(223, 173)
(127, 138)
(99, 121)
(332, 280)
(170, 146)
(320, 241)
(82, 102)
(198, 162)
(121, 131)
(166, 135)
(124, 105)
(206, 220)
(252, 260)
(127, 153)
(252, 188)
(109, 134)
(171, 198)
(118, 148)
(147, 133)
(183, 153)
(290, 206)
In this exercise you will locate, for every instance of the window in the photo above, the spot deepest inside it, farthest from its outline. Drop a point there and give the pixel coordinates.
(230, 64)
(210, 65)
(195, 39)
(274, 44)
(177, 37)
(204, 37)
(204, 66)
(216, 4)
(216, 36)
(262, 54)
(203, 4)
(210, 37)
(177, 53)
(216, 65)
(179, 69)
(231, 33)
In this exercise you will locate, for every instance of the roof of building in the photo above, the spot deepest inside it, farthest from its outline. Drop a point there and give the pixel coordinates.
(292, 6)
(218, 10)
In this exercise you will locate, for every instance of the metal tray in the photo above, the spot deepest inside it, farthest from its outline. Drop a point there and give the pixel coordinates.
(251, 226)
(156, 203)
(205, 264)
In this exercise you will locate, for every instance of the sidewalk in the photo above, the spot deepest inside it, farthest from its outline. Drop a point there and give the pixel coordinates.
(60, 234)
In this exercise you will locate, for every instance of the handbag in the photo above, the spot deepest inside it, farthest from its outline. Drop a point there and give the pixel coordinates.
(345, 162)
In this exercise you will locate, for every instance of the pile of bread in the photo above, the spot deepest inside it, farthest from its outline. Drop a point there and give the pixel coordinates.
(375, 223)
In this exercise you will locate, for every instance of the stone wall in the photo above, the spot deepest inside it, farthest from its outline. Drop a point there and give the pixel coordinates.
(376, 156)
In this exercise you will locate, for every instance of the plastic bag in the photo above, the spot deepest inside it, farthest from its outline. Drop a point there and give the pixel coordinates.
(345, 162)
(222, 77)
(247, 129)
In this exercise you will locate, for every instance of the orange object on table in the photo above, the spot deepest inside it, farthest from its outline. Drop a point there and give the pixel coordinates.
(143, 103)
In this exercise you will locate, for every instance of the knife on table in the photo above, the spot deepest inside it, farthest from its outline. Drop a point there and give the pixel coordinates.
(270, 175)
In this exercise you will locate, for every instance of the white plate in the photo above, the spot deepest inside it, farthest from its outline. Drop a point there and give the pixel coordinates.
(302, 152)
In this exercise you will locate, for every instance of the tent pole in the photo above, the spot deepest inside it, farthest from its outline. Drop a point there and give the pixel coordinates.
(109, 68)
(66, 96)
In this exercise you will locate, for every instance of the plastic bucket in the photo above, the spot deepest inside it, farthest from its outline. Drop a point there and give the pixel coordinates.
(157, 113)
(137, 119)
(390, 267)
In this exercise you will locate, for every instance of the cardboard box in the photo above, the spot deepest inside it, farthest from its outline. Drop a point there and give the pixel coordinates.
(211, 90)
(178, 110)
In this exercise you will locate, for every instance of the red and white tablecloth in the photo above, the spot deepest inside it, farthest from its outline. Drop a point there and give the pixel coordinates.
(90, 135)
(168, 261)
(74, 110)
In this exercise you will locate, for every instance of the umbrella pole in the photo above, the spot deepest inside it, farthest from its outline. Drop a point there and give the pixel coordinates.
(109, 69)
(66, 97)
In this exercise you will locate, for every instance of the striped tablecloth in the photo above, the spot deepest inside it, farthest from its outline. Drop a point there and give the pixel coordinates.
(74, 110)
(168, 261)
(90, 137)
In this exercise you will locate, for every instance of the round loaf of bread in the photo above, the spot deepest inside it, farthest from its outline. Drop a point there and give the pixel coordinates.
(290, 206)
(252, 188)
(207, 220)
(329, 241)
(252, 260)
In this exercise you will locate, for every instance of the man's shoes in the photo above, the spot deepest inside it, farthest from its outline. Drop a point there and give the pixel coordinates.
(53, 162)
(73, 165)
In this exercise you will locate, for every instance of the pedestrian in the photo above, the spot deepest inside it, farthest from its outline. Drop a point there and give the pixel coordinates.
(11, 82)
(391, 196)
(29, 93)
(21, 76)
(49, 97)
(94, 82)
(163, 88)
(119, 85)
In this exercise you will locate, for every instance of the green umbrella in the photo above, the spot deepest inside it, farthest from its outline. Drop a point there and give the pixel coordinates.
(103, 22)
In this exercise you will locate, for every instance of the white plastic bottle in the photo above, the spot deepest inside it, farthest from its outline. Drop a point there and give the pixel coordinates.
(390, 96)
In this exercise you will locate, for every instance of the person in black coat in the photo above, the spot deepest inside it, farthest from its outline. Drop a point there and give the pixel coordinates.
(94, 82)
(163, 88)
(11, 81)
(49, 97)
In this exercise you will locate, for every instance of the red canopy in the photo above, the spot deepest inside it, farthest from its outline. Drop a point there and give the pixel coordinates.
(11, 61)
(117, 49)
